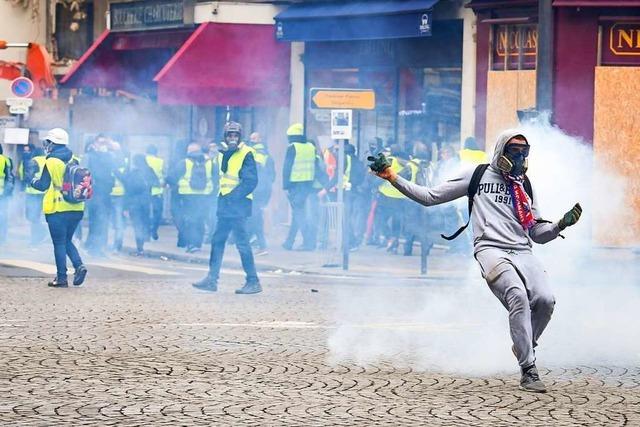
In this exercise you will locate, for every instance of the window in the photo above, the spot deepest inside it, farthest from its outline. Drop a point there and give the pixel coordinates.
(74, 30)
(514, 47)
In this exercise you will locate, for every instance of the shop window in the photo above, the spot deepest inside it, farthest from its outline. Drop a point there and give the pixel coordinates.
(429, 106)
(74, 29)
(514, 47)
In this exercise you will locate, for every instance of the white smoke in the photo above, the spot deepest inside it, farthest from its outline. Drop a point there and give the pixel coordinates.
(462, 328)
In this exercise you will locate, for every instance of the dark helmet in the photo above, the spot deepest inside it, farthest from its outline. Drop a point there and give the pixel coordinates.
(230, 127)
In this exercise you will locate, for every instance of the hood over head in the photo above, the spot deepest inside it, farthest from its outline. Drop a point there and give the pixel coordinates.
(502, 140)
(61, 152)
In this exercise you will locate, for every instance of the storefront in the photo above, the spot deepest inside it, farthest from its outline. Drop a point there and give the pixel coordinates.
(411, 60)
(596, 83)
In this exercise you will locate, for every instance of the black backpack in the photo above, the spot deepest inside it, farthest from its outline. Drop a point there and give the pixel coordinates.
(76, 183)
(198, 180)
(473, 189)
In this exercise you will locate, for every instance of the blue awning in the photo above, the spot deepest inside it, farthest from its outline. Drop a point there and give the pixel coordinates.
(355, 20)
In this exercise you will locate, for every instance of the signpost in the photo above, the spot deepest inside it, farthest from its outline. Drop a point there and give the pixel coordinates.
(342, 102)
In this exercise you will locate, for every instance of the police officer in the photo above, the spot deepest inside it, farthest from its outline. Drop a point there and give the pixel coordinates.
(238, 180)
(262, 193)
(298, 175)
(31, 169)
(62, 217)
(157, 165)
(7, 181)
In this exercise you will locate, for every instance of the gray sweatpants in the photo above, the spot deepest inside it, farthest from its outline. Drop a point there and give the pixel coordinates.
(519, 281)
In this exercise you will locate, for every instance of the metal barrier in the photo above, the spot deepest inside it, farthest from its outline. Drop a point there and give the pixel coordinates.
(329, 233)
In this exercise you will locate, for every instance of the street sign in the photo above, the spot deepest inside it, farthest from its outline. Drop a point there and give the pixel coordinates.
(341, 124)
(22, 87)
(18, 109)
(355, 99)
(19, 102)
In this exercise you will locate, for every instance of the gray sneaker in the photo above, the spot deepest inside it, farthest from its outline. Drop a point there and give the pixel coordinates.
(530, 380)
(249, 288)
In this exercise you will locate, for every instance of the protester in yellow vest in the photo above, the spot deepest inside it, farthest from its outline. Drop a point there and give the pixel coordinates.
(193, 178)
(298, 175)
(62, 216)
(30, 170)
(262, 193)
(157, 165)
(121, 164)
(471, 154)
(389, 205)
(238, 180)
(6, 189)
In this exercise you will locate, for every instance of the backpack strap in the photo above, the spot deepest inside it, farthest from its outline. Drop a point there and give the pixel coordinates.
(471, 192)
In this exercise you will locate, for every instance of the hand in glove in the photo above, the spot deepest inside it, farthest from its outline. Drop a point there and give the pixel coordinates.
(571, 217)
(382, 167)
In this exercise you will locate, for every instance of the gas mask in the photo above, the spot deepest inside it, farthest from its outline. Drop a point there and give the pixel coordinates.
(514, 159)
(231, 141)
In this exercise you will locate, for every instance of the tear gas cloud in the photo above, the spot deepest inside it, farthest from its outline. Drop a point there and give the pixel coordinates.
(460, 327)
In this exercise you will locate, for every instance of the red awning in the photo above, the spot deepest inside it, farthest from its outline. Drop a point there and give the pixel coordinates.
(228, 64)
(596, 3)
(126, 61)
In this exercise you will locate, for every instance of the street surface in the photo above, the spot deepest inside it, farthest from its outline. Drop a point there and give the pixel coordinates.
(138, 346)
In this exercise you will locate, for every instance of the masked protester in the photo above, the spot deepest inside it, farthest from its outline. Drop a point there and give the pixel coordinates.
(505, 223)
(238, 180)
(62, 216)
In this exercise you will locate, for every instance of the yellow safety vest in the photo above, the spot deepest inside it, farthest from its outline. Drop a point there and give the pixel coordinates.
(3, 164)
(303, 169)
(184, 185)
(475, 157)
(346, 177)
(118, 187)
(386, 188)
(258, 151)
(40, 160)
(53, 202)
(157, 164)
(231, 178)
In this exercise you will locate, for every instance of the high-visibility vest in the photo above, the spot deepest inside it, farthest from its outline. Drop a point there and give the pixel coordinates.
(184, 184)
(40, 161)
(346, 177)
(157, 164)
(259, 154)
(476, 157)
(118, 186)
(386, 188)
(53, 202)
(231, 178)
(4, 161)
(304, 163)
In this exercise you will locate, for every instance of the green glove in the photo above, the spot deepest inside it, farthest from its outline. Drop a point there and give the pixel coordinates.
(378, 164)
(571, 217)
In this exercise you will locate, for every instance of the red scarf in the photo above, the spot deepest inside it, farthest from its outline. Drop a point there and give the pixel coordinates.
(521, 202)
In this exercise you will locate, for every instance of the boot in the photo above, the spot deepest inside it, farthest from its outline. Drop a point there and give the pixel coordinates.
(79, 275)
(58, 283)
(249, 288)
(206, 284)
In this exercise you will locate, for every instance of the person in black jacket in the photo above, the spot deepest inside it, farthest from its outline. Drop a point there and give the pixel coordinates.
(138, 181)
(238, 180)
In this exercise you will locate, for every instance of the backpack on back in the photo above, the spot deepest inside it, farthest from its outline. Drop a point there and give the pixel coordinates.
(473, 188)
(198, 179)
(76, 183)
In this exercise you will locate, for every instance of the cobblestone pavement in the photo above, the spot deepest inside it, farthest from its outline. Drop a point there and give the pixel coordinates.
(148, 350)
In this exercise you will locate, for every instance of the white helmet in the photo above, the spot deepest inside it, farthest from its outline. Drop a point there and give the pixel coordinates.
(58, 136)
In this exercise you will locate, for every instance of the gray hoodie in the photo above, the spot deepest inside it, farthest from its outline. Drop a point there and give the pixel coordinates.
(494, 221)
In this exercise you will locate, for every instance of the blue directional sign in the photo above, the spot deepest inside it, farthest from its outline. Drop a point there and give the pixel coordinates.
(22, 87)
